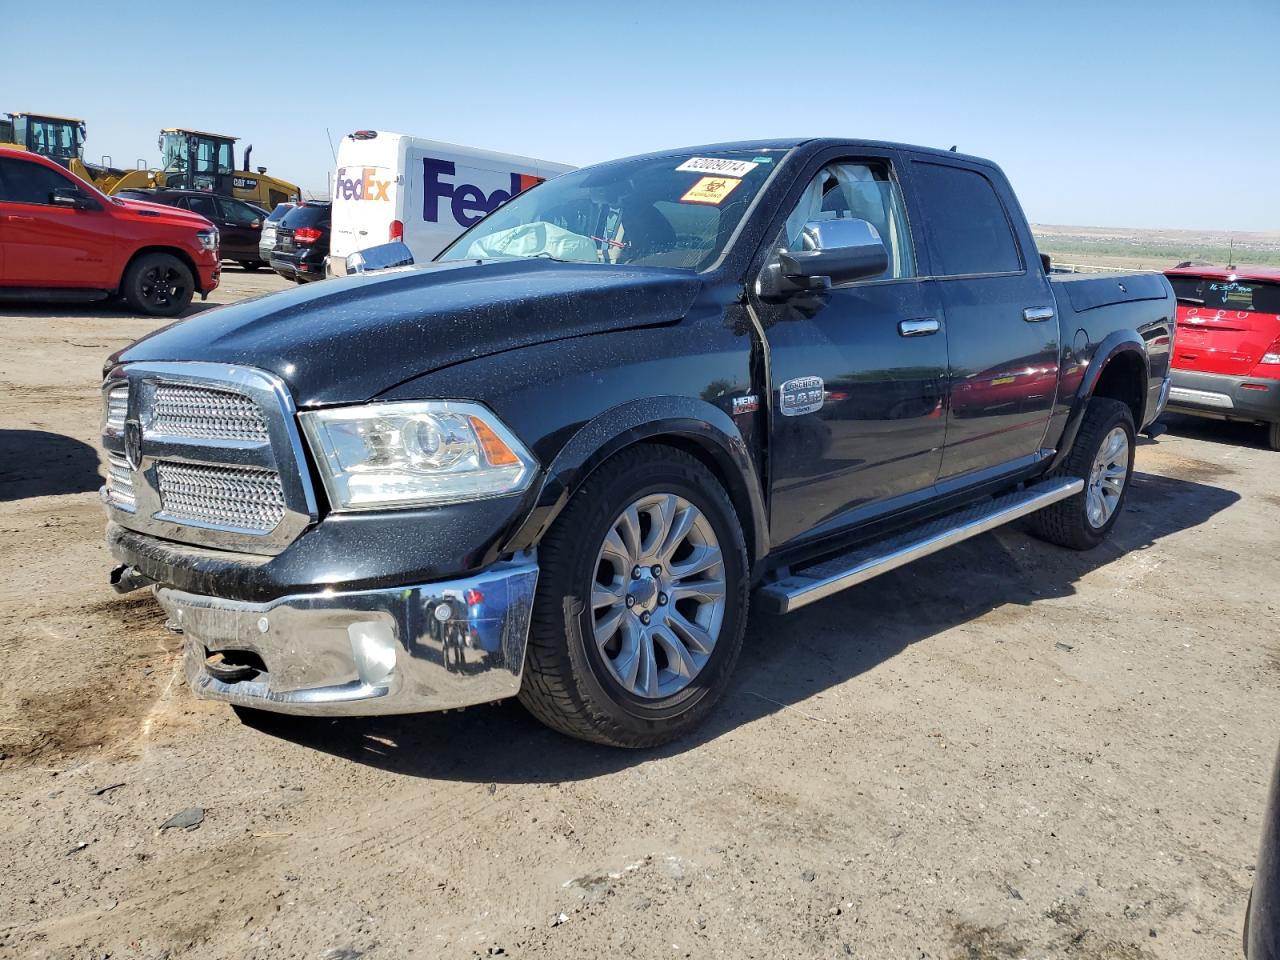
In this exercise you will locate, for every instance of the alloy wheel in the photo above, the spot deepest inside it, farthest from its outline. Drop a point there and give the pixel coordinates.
(658, 595)
(1107, 477)
(161, 286)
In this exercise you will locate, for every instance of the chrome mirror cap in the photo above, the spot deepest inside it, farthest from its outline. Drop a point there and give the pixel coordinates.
(382, 257)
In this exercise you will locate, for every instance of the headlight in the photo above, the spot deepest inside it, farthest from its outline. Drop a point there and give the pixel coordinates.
(208, 239)
(409, 454)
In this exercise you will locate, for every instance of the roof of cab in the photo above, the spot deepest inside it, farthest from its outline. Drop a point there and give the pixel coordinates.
(813, 143)
(200, 133)
(45, 116)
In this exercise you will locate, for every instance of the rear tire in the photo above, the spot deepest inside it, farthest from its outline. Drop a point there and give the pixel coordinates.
(639, 673)
(1273, 435)
(251, 265)
(158, 284)
(1103, 457)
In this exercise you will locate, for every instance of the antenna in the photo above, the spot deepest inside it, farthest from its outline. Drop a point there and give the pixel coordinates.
(1231, 253)
(331, 150)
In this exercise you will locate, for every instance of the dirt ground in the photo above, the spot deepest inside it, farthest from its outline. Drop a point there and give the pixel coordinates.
(1004, 751)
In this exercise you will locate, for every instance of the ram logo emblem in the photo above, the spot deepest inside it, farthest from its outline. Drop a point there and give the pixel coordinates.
(800, 396)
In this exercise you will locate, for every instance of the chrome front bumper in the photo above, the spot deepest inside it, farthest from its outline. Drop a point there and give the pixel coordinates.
(437, 646)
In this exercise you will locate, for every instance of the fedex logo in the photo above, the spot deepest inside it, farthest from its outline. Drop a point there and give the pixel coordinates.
(467, 201)
(363, 187)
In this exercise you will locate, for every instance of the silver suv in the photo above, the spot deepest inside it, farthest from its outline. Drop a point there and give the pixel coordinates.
(267, 241)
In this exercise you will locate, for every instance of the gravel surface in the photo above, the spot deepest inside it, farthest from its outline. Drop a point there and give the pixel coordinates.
(1006, 750)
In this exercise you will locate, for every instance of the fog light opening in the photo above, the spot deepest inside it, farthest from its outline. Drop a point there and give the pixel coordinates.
(373, 647)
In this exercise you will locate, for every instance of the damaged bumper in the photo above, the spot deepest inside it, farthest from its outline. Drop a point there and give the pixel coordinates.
(436, 646)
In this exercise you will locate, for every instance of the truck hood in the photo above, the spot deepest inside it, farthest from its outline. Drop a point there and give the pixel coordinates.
(146, 210)
(349, 339)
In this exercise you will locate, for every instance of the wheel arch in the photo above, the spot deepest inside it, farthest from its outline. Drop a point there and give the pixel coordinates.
(1120, 370)
(160, 248)
(694, 426)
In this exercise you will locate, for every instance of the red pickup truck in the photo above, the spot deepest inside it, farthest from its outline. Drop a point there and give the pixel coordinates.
(1226, 364)
(61, 238)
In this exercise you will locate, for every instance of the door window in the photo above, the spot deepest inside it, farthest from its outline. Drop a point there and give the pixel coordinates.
(205, 206)
(863, 191)
(969, 232)
(24, 182)
(238, 214)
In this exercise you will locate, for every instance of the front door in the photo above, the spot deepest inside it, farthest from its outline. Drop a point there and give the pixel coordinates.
(244, 225)
(47, 245)
(858, 371)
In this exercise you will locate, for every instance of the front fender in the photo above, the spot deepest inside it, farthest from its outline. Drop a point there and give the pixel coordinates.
(687, 421)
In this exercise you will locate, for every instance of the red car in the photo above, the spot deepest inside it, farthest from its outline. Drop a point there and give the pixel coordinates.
(62, 238)
(1226, 358)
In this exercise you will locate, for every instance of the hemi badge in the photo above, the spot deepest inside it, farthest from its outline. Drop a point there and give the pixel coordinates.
(748, 404)
(800, 396)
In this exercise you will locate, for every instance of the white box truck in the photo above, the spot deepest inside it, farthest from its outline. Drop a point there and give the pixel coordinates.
(390, 186)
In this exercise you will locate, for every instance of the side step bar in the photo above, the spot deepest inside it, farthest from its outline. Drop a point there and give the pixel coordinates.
(809, 584)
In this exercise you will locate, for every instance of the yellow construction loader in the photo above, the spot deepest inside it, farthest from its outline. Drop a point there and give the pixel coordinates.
(194, 160)
(190, 159)
(60, 139)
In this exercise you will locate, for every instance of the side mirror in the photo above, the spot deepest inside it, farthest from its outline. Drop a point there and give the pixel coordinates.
(835, 251)
(382, 257)
(72, 197)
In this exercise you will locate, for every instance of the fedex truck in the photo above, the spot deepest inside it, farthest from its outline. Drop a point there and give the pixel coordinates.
(394, 187)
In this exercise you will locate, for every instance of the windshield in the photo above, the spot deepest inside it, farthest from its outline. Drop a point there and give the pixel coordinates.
(676, 211)
(210, 156)
(1246, 296)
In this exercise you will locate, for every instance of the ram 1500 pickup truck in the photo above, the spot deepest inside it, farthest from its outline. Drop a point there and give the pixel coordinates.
(61, 238)
(557, 461)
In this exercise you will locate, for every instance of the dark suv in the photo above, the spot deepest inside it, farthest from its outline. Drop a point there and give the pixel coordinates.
(302, 242)
(239, 224)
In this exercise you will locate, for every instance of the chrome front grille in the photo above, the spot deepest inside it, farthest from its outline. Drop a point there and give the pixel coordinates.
(218, 454)
(234, 498)
(183, 410)
(117, 407)
(120, 482)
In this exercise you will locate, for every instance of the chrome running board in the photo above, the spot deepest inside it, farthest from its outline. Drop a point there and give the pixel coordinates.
(809, 584)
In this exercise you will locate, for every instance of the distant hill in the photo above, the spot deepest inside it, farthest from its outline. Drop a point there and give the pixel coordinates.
(1153, 249)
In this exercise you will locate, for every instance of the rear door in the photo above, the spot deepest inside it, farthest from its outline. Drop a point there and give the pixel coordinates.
(1002, 331)
(47, 245)
(366, 198)
(1225, 325)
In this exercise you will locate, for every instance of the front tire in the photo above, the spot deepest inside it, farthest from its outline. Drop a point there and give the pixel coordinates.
(641, 604)
(158, 284)
(1103, 457)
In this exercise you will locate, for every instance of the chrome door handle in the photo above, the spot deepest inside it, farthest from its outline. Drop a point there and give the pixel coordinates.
(918, 328)
(1037, 314)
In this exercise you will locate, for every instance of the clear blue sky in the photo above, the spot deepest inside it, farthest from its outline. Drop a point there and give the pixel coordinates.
(1102, 113)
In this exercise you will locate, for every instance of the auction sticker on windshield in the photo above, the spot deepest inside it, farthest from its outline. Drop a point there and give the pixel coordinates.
(710, 190)
(720, 165)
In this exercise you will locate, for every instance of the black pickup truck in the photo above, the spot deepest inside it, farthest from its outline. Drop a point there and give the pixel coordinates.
(557, 462)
